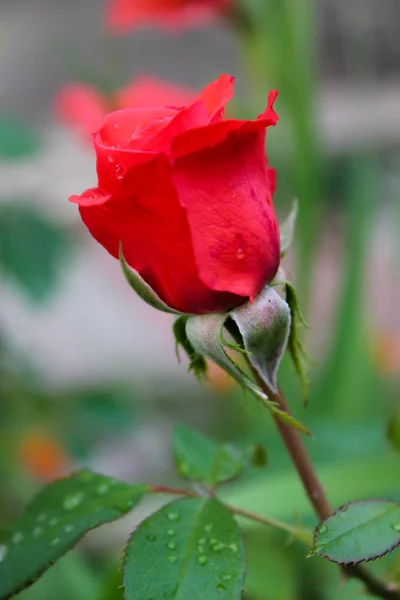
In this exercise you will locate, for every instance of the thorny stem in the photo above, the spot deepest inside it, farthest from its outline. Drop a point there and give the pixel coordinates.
(296, 532)
(316, 493)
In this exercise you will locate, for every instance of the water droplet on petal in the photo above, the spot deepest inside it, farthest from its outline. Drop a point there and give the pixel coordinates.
(396, 527)
(73, 501)
(17, 537)
(171, 532)
(202, 559)
(115, 126)
(208, 528)
(55, 541)
(3, 551)
(111, 159)
(322, 528)
(151, 537)
(172, 559)
(119, 171)
(102, 488)
(173, 516)
(171, 545)
(240, 254)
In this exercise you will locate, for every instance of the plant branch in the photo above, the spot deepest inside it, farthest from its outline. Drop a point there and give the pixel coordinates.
(315, 491)
(304, 535)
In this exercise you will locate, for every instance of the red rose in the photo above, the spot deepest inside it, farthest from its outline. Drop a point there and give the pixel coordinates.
(189, 196)
(84, 107)
(123, 15)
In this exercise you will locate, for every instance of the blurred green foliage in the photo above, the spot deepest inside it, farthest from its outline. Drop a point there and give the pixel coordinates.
(350, 398)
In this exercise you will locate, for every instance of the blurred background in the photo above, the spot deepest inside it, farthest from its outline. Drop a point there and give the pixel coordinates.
(88, 374)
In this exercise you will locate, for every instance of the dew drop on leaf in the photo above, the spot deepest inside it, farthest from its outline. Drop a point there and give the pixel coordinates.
(73, 501)
(171, 532)
(68, 528)
(37, 531)
(201, 541)
(221, 587)
(17, 537)
(3, 551)
(208, 528)
(202, 559)
(396, 527)
(171, 545)
(53, 522)
(102, 488)
(172, 559)
(41, 517)
(55, 541)
(151, 537)
(322, 529)
(172, 516)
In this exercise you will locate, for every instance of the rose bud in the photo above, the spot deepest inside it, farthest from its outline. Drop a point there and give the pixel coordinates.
(123, 15)
(187, 196)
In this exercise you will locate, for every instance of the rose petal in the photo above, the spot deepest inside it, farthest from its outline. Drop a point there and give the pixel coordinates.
(226, 191)
(148, 91)
(123, 15)
(209, 136)
(145, 214)
(82, 107)
(217, 93)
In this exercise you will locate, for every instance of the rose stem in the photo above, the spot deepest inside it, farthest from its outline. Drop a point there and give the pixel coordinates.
(294, 443)
(296, 532)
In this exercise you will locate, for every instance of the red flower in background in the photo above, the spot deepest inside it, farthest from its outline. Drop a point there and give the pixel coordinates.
(84, 107)
(123, 15)
(189, 196)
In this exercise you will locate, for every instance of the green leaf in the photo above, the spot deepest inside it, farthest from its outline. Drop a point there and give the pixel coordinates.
(197, 362)
(393, 430)
(288, 227)
(55, 520)
(142, 289)
(199, 458)
(205, 333)
(295, 346)
(359, 531)
(190, 549)
(18, 139)
(32, 248)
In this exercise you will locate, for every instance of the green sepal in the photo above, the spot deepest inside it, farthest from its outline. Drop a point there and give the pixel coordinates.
(295, 347)
(287, 228)
(205, 334)
(264, 325)
(142, 288)
(197, 362)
